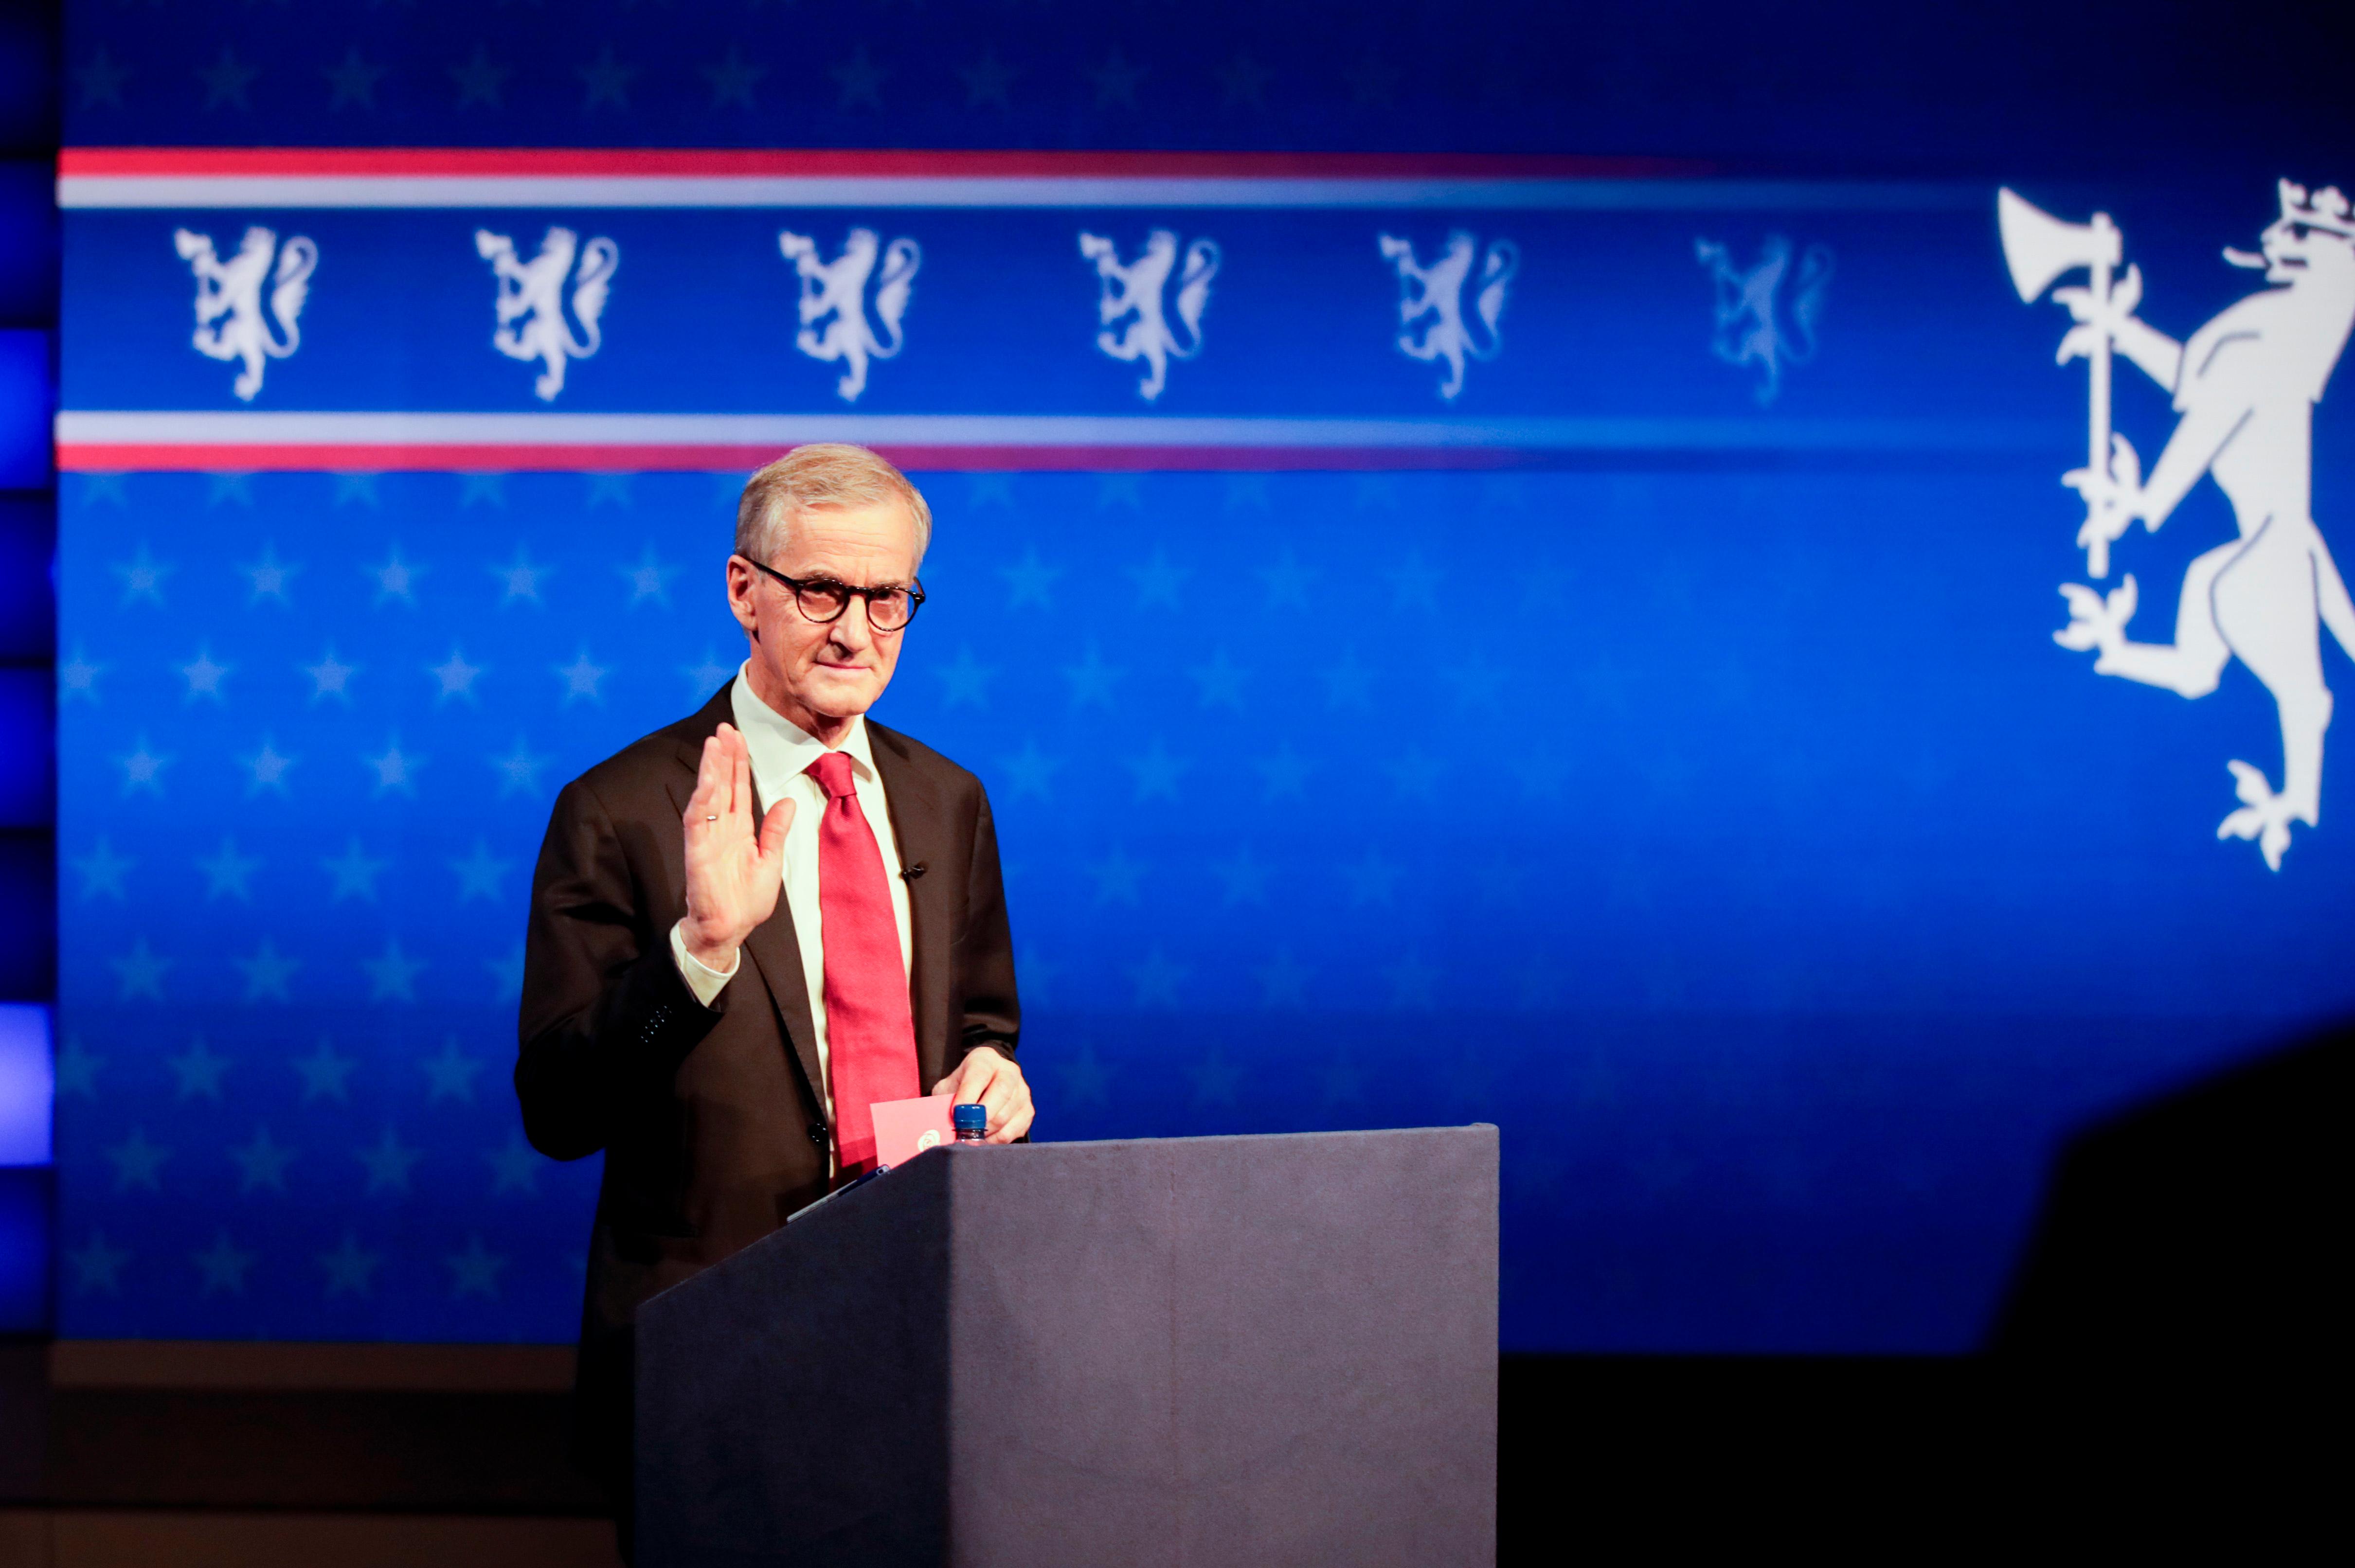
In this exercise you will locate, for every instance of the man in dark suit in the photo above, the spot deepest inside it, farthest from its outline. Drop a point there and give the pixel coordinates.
(751, 925)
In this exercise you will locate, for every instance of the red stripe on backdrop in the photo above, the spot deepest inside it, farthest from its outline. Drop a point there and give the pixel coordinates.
(592, 162)
(91, 457)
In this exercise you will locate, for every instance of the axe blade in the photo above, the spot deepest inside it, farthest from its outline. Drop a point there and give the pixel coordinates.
(2038, 247)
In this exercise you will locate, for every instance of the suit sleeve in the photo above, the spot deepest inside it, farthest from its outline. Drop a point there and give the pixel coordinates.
(993, 1016)
(605, 1020)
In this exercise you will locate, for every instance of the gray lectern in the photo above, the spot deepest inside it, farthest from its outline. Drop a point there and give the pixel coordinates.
(1207, 1350)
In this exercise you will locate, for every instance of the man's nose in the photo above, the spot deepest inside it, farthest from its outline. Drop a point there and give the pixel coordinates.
(852, 628)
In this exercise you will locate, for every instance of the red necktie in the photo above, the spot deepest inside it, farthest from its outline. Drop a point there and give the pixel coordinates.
(870, 1041)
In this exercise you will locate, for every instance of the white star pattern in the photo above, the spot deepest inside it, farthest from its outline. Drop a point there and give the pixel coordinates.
(351, 1268)
(392, 974)
(136, 1162)
(204, 677)
(649, 580)
(389, 1163)
(478, 80)
(1030, 772)
(508, 974)
(1243, 877)
(326, 1075)
(102, 871)
(479, 873)
(269, 577)
(451, 1074)
(353, 80)
(858, 81)
(266, 973)
(1092, 681)
(580, 679)
(1283, 981)
(1283, 774)
(395, 579)
(1156, 772)
(101, 79)
(142, 577)
(519, 580)
(1030, 581)
(226, 81)
(1286, 582)
(140, 973)
(733, 80)
(223, 1265)
(516, 1167)
(268, 768)
(704, 679)
(77, 677)
(198, 1071)
(143, 770)
(1156, 979)
(77, 1068)
(395, 769)
(1215, 1080)
(261, 1163)
(1116, 81)
(986, 80)
(1115, 877)
(1085, 1079)
(967, 681)
(518, 770)
(1159, 582)
(455, 678)
(228, 875)
(1348, 685)
(97, 1267)
(355, 873)
(475, 1271)
(1220, 681)
(330, 677)
(605, 81)
(1372, 879)
(1411, 980)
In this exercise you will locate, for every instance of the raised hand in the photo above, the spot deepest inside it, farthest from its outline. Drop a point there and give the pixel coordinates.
(734, 875)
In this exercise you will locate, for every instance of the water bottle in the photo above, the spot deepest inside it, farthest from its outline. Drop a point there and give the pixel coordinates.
(972, 1123)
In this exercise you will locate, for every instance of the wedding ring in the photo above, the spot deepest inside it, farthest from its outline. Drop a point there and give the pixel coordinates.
(713, 818)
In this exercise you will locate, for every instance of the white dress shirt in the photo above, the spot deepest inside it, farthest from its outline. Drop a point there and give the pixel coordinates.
(781, 751)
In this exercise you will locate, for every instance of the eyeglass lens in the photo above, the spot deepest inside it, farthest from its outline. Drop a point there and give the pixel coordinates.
(888, 610)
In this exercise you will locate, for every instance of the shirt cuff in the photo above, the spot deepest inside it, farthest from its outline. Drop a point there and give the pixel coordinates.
(702, 979)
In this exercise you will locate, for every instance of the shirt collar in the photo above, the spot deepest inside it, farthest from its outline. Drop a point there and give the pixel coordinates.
(781, 748)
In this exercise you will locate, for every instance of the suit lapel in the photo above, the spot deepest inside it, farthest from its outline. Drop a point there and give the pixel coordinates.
(920, 825)
(774, 945)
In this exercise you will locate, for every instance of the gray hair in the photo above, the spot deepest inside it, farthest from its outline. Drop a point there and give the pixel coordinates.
(820, 475)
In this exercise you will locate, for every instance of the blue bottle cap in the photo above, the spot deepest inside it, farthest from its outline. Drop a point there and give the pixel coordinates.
(972, 1118)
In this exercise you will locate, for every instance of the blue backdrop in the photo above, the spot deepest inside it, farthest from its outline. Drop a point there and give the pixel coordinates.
(1686, 779)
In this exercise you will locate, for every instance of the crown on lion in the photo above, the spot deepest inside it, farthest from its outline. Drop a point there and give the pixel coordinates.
(2326, 209)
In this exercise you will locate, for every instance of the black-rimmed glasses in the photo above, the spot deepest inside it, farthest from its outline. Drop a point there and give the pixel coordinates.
(823, 600)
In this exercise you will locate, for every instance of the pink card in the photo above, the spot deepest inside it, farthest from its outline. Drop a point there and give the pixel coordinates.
(905, 1128)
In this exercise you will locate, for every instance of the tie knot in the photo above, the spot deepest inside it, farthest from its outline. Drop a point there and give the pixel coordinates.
(832, 774)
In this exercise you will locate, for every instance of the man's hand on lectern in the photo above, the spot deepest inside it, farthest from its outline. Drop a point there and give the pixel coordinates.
(985, 1078)
(733, 876)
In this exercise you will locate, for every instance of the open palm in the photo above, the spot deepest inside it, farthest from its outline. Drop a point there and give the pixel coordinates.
(733, 874)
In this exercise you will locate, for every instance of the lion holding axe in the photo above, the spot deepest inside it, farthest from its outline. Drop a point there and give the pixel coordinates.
(2244, 388)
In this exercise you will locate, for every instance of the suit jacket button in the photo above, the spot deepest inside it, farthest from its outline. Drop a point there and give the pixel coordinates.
(817, 1133)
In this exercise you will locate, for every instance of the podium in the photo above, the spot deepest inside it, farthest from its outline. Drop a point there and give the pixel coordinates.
(1208, 1350)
